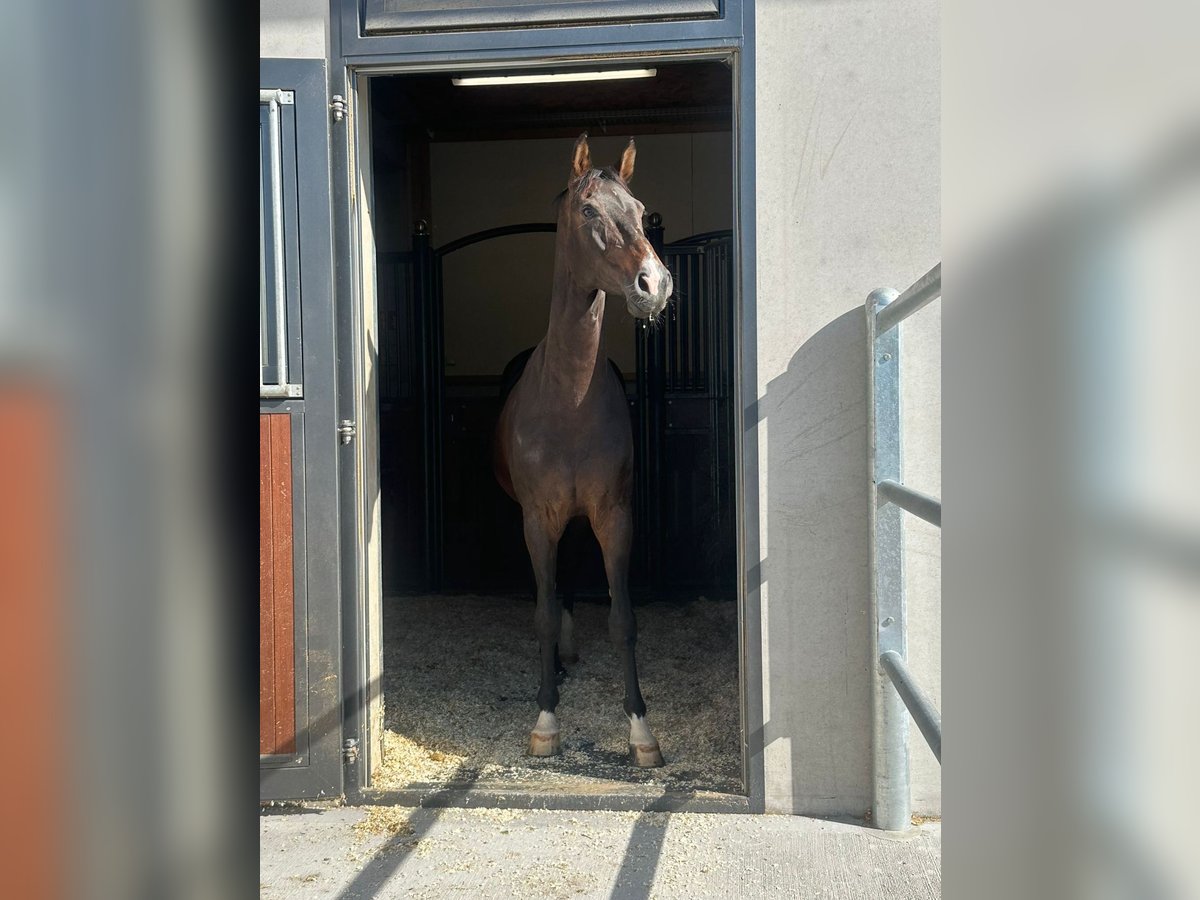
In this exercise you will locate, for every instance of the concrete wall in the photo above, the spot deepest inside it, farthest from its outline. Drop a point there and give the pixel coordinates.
(848, 169)
(497, 297)
(293, 29)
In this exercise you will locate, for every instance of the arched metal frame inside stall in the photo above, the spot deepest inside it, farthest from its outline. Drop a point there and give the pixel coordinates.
(466, 534)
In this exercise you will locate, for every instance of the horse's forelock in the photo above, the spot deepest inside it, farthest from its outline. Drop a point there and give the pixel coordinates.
(583, 182)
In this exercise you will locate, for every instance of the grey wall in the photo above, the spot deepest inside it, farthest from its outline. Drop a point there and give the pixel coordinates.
(292, 29)
(847, 160)
(497, 295)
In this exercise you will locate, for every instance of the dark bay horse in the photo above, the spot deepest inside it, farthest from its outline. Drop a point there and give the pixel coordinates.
(564, 445)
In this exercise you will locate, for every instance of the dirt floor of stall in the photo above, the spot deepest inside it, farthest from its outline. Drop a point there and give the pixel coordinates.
(461, 679)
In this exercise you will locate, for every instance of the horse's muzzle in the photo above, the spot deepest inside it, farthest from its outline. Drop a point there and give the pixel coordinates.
(651, 290)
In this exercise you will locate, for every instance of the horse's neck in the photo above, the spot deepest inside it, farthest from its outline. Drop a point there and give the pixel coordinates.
(575, 336)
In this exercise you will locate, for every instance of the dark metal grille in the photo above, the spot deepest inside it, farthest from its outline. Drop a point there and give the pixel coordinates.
(399, 336)
(682, 414)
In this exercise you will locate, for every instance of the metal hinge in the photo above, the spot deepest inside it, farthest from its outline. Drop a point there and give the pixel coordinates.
(346, 430)
(338, 106)
(350, 750)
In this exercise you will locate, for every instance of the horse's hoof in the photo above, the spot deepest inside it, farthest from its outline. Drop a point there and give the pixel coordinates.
(543, 740)
(645, 756)
(544, 744)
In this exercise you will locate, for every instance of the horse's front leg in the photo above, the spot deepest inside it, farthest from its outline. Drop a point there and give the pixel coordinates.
(614, 531)
(570, 557)
(541, 538)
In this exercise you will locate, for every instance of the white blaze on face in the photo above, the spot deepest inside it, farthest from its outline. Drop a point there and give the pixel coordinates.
(639, 733)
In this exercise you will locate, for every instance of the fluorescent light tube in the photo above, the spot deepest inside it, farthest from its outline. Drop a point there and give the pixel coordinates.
(551, 77)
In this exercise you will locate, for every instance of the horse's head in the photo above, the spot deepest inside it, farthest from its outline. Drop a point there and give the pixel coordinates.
(603, 225)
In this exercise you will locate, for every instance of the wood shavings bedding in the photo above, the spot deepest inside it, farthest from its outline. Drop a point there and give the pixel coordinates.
(461, 678)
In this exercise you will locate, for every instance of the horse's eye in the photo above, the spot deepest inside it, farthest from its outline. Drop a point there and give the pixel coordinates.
(589, 212)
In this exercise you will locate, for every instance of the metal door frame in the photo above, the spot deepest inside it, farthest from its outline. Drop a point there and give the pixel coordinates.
(315, 770)
(356, 60)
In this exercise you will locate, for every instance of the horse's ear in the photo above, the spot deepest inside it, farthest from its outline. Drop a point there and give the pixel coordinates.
(581, 160)
(625, 166)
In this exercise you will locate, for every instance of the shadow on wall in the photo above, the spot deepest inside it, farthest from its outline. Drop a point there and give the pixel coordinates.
(817, 696)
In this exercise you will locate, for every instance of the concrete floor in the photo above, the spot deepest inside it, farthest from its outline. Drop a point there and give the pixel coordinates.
(435, 853)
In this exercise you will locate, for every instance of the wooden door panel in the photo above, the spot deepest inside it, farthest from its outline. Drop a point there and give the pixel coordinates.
(277, 646)
(34, 439)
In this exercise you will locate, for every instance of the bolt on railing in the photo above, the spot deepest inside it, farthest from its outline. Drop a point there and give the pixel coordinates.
(896, 694)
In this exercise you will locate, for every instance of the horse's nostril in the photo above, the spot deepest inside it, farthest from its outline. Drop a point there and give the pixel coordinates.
(643, 282)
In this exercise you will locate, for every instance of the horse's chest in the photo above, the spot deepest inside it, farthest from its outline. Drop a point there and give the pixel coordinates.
(564, 444)
(562, 452)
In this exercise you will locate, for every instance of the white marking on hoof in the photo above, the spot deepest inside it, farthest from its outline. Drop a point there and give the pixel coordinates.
(566, 639)
(543, 741)
(644, 751)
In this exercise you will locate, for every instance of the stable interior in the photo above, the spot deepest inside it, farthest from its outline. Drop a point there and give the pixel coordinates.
(460, 665)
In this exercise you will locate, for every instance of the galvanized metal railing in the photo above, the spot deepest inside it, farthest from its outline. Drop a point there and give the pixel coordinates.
(896, 693)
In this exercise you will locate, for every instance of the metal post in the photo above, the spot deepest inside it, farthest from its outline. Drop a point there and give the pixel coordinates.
(422, 264)
(262, 279)
(437, 398)
(892, 803)
(642, 487)
(655, 359)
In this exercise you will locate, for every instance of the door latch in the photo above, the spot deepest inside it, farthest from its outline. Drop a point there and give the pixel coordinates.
(346, 430)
